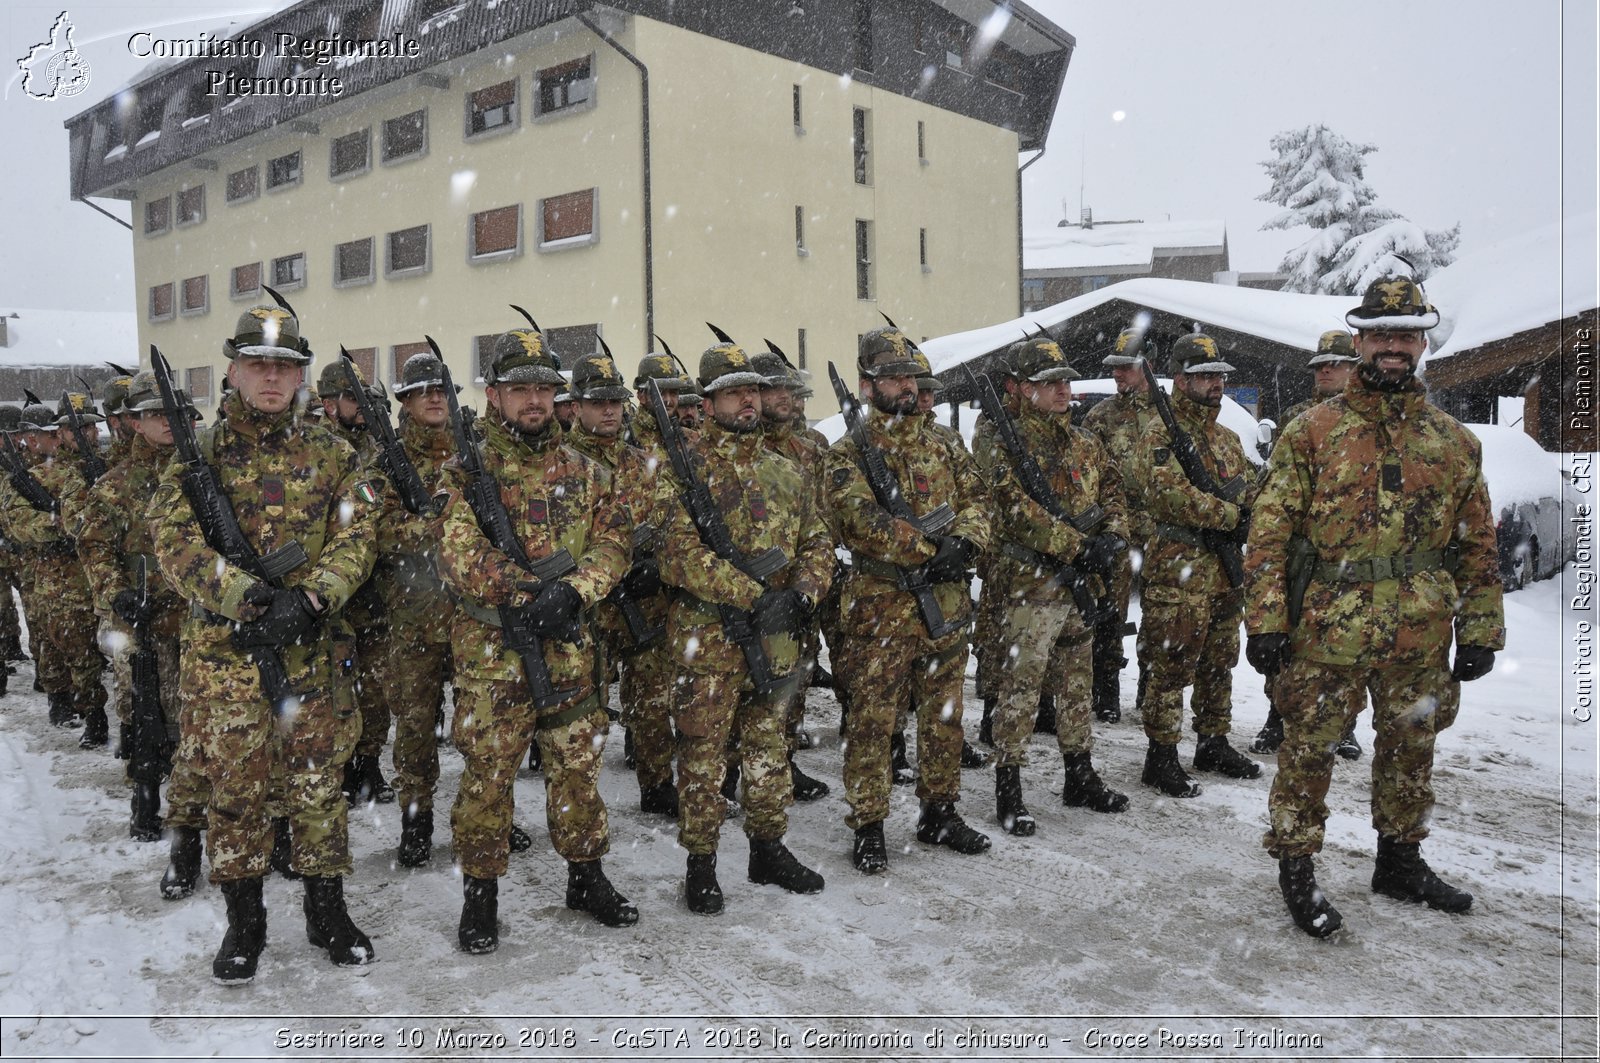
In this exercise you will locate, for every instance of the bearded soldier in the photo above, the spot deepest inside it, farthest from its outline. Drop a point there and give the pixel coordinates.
(554, 499)
(1190, 633)
(1373, 548)
(766, 504)
(300, 494)
(887, 646)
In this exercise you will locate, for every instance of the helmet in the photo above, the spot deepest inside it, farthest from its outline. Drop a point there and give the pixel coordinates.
(888, 352)
(1197, 353)
(725, 365)
(521, 356)
(1127, 341)
(268, 332)
(595, 377)
(1038, 360)
(1333, 347)
(421, 371)
(1393, 304)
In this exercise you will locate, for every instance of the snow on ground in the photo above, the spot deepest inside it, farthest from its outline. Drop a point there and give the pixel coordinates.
(1097, 932)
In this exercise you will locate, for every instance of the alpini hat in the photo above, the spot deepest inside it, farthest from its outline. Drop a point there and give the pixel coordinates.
(1040, 359)
(775, 372)
(663, 369)
(725, 365)
(36, 417)
(1197, 353)
(1334, 346)
(268, 332)
(1123, 352)
(81, 403)
(421, 371)
(333, 381)
(521, 357)
(1393, 304)
(596, 378)
(888, 352)
(142, 393)
(10, 418)
(114, 393)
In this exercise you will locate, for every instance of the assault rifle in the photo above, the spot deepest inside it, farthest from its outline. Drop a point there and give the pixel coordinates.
(1220, 543)
(23, 482)
(886, 489)
(483, 495)
(150, 758)
(219, 526)
(1037, 487)
(737, 624)
(90, 463)
(640, 631)
(402, 474)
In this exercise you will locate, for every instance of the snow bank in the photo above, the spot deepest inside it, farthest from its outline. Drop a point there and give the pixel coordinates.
(70, 337)
(1517, 468)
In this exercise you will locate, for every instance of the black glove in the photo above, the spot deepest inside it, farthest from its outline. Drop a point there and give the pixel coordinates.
(1101, 553)
(780, 612)
(554, 614)
(953, 561)
(127, 605)
(643, 580)
(1241, 530)
(286, 618)
(1472, 662)
(1267, 653)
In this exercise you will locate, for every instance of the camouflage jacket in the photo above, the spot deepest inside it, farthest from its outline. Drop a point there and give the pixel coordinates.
(809, 458)
(942, 428)
(46, 538)
(112, 536)
(1120, 422)
(1326, 482)
(1080, 475)
(119, 450)
(766, 502)
(288, 481)
(367, 607)
(1170, 498)
(931, 470)
(643, 486)
(556, 498)
(408, 544)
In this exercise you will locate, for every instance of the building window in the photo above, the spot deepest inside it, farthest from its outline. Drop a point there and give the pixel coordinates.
(859, 132)
(1032, 293)
(148, 129)
(800, 350)
(289, 271)
(197, 385)
(161, 302)
(492, 110)
(366, 359)
(196, 105)
(398, 355)
(284, 171)
(351, 154)
(800, 231)
(863, 259)
(244, 282)
(408, 251)
(158, 216)
(191, 206)
(799, 126)
(483, 355)
(571, 342)
(565, 87)
(353, 263)
(244, 185)
(922, 249)
(863, 34)
(496, 233)
(922, 142)
(196, 295)
(405, 137)
(567, 220)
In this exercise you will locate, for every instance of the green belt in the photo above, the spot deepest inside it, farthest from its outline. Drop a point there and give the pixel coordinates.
(568, 713)
(871, 566)
(1376, 569)
(1018, 552)
(481, 613)
(1180, 533)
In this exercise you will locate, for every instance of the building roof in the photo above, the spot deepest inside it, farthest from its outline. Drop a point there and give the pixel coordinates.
(1113, 247)
(70, 337)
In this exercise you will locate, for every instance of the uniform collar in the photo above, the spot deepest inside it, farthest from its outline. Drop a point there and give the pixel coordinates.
(738, 446)
(250, 422)
(1376, 405)
(437, 442)
(1186, 409)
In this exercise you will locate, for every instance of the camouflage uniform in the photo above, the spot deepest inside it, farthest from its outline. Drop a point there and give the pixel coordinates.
(10, 578)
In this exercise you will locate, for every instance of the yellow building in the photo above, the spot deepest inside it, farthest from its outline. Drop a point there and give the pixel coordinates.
(399, 168)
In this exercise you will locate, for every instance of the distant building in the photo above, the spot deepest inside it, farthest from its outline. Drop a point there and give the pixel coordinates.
(51, 351)
(624, 169)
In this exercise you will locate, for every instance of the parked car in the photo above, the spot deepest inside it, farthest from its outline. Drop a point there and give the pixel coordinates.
(1532, 504)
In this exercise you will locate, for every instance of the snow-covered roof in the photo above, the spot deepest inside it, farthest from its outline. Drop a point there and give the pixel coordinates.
(1289, 318)
(1516, 468)
(69, 337)
(1543, 275)
(1116, 247)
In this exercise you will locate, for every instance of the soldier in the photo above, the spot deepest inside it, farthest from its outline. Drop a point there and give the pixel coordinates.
(885, 648)
(1331, 366)
(10, 577)
(1190, 632)
(765, 503)
(419, 611)
(566, 405)
(691, 411)
(556, 499)
(288, 483)
(1374, 543)
(113, 403)
(1120, 421)
(1047, 637)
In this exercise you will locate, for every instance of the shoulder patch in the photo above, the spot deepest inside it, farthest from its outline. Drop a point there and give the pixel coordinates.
(366, 490)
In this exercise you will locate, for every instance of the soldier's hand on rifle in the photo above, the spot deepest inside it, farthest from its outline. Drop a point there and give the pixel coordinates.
(1472, 662)
(282, 616)
(1241, 530)
(555, 613)
(780, 612)
(1267, 653)
(1101, 553)
(131, 606)
(953, 561)
(643, 580)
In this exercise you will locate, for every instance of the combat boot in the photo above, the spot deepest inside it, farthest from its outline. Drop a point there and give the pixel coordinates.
(1308, 906)
(899, 766)
(96, 728)
(364, 781)
(940, 824)
(971, 756)
(329, 926)
(870, 854)
(124, 750)
(772, 864)
(6, 672)
(630, 760)
(235, 962)
(986, 723)
(520, 840)
(144, 819)
(62, 714)
(416, 837)
(821, 678)
(805, 787)
(1349, 748)
(1045, 722)
(1162, 771)
(588, 890)
(700, 889)
(1083, 788)
(478, 931)
(1213, 753)
(183, 865)
(1108, 663)
(730, 784)
(1402, 873)
(660, 799)
(1270, 737)
(535, 758)
(282, 849)
(1014, 817)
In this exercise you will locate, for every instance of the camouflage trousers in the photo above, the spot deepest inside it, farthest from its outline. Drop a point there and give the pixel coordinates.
(68, 659)
(494, 724)
(707, 710)
(987, 643)
(413, 678)
(1049, 648)
(188, 792)
(10, 626)
(881, 673)
(1410, 705)
(372, 646)
(259, 767)
(1187, 639)
(647, 713)
(26, 589)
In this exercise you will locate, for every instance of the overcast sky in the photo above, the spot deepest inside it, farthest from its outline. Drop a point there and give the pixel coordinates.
(1465, 99)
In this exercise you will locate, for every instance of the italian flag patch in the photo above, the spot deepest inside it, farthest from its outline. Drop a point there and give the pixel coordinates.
(366, 492)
